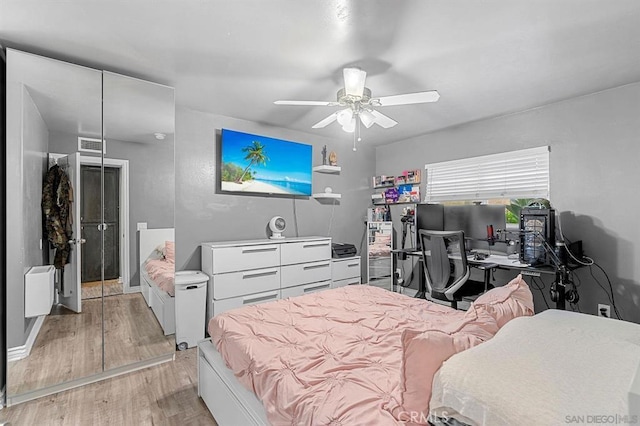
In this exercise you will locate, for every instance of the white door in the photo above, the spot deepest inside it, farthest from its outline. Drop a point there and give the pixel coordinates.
(71, 294)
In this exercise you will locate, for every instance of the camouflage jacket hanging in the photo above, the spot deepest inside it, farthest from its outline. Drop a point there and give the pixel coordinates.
(57, 196)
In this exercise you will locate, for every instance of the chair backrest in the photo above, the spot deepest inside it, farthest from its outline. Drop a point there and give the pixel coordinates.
(445, 262)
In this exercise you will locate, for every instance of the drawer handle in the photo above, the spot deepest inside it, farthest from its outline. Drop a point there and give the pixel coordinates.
(316, 287)
(323, 265)
(270, 296)
(258, 250)
(314, 245)
(354, 281)
(259, 274)
(353, 264)
(191, 287)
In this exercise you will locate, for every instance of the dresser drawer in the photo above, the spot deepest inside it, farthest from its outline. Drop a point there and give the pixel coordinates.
(305, 273)
(240, 258)
(309, 251)
(345, 268)
(305, 289)
(220, 306)
(346, 282)
(233, 284)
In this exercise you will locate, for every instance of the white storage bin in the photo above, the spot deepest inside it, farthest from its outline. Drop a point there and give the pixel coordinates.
(38, 291)
(191, 298)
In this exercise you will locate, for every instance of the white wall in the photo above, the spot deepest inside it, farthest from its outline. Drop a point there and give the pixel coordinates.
(595, 150)
(203, 215)
(27, 141)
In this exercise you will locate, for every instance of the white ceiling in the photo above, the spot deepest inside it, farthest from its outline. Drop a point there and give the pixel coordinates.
(234, 58)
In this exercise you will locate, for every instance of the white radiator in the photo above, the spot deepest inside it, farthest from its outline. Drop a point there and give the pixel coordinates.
(38, 291)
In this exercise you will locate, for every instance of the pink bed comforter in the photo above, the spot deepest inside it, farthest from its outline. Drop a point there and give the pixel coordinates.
(162, 272)
(332, 357)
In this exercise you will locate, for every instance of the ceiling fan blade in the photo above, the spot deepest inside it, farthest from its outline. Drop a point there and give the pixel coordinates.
(314, 103)
(409, 98)
(325, 121)
(382, 120)
(354, 79)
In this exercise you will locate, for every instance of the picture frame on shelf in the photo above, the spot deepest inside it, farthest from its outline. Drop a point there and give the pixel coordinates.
(408, 177)
(378, 198)
(391, 195)
(383, 181)
(409, 194)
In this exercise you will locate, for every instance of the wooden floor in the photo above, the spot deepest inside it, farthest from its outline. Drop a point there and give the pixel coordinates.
(165, 394)
(69, 345)
(95, 289)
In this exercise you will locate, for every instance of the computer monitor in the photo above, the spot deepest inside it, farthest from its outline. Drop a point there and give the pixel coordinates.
(428, 216)
(473, 220)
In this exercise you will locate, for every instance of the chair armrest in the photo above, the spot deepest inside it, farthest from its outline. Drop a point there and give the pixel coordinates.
(484, 266)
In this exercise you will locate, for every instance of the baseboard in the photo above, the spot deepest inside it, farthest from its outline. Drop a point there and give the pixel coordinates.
(19, 352)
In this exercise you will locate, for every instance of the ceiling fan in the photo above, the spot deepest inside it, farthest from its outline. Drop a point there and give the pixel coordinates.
(358, 103)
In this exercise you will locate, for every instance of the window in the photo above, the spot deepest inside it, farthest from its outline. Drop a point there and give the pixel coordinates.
(515, 174)
(512, 178)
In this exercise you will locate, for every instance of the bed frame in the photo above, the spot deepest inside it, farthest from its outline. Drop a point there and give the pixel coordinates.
(229, 402)
(161, 303)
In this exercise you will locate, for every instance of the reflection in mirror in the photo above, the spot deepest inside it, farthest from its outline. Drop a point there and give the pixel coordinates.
(379, 257)
(139, 162)
(53, 335)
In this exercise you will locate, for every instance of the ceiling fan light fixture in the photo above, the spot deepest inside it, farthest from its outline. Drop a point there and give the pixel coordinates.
(359, 107)
(345, 116)
(350, 126)
(354, 79)
(367, 118)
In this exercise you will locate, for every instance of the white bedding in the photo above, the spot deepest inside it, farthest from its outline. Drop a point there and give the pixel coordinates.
(556, 367)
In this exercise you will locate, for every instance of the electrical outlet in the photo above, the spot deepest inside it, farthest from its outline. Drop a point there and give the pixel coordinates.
(604, 310)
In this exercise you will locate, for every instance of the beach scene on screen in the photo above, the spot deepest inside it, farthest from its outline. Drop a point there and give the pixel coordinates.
(258, 164)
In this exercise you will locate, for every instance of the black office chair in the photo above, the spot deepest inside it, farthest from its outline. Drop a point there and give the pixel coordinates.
(446, 269)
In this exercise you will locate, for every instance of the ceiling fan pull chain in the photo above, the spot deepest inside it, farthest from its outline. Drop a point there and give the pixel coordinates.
(354, 141)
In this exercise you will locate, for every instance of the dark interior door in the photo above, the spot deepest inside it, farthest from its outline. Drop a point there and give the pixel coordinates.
(90, 219)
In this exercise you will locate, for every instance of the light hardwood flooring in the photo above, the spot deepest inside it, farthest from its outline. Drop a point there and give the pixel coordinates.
(69, 345)
(165, 394)
(94, 289)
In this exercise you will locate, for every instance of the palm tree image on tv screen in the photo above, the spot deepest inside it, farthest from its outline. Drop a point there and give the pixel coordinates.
(258, 164)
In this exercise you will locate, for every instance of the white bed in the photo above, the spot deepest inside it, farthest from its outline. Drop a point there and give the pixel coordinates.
(161, 303)
(556, 367)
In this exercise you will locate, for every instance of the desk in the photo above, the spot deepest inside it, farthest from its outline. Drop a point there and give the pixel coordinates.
(503, 262)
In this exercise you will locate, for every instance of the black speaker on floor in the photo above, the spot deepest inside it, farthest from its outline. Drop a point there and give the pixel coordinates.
(537, 227)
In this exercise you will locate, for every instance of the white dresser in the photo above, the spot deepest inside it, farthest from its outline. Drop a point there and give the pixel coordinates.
(248, 272)
(345, 271)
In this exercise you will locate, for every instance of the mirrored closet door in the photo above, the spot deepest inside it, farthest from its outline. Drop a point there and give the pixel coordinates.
(139, 133)
(89, 162)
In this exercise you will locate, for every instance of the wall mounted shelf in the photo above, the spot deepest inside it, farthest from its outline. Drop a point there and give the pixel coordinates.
(325, 168)
(326, 195)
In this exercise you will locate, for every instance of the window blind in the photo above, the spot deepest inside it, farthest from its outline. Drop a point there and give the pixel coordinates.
(515, 174)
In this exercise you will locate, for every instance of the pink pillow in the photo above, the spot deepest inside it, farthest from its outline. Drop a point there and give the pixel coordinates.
(423, 353)
(505, 303)
(170, 251)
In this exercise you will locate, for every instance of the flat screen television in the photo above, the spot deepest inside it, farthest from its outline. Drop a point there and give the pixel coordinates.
(253, 164)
